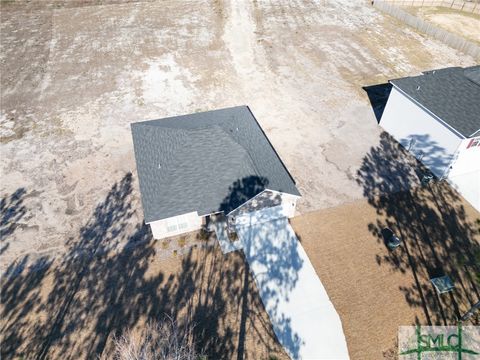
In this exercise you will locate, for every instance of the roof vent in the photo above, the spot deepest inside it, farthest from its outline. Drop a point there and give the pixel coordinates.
(418, 87)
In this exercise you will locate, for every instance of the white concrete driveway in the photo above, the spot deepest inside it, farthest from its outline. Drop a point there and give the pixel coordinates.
(303, 318)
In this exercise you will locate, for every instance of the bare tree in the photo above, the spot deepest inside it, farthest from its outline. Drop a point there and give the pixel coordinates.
(166, 340)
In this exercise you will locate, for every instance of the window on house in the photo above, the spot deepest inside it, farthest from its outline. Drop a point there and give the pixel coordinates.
(182, 226)
(177, 223)
(172, 227)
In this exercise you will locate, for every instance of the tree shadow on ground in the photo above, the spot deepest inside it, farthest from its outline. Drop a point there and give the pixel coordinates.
(111, 279)
(378, 96)
(429, 152)
(241, 191)
(12, 210)
(438, 236)
(272, 251)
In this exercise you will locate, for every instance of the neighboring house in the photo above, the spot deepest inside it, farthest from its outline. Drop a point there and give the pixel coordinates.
(436, 116)
(190, 167)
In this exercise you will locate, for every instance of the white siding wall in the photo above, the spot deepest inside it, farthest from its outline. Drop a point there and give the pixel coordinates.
(176, 225)
(289, 203)
(428, 139)
(190, 222)
(465, 172)
(285, 209)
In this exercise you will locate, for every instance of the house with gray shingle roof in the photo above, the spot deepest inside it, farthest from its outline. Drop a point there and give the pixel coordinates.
(192, 166)
(436, 116)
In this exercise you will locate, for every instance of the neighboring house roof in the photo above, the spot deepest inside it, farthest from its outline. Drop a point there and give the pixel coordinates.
(205, 162)
(451, 94)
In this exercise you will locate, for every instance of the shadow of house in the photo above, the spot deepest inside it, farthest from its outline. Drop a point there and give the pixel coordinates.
(438, 236)
(111, 280)
(378, 96)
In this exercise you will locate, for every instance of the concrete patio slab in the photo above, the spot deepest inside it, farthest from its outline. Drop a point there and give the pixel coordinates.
(227, 246)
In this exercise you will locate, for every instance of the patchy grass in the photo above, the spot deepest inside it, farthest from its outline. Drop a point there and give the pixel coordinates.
(165, 244)
(376, 290)
(182, 241)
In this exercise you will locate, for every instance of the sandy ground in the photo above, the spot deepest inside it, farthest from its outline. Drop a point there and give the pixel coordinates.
(74, 77)
(458, 22)
(73, 309)
(375, 290)
(75, 74)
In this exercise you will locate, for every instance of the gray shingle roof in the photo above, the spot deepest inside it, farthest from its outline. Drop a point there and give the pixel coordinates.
(205, 162)
(452, 94)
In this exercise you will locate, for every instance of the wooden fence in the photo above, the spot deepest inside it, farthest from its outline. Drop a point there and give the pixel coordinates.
(453, 40)
(472, 6)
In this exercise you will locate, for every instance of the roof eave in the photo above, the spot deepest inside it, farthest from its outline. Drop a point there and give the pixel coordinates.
(474, 134)
(261, 192)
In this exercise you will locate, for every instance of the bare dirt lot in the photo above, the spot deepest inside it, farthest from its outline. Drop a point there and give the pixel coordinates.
(458, 22)
(75, 74)
(74, 77)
